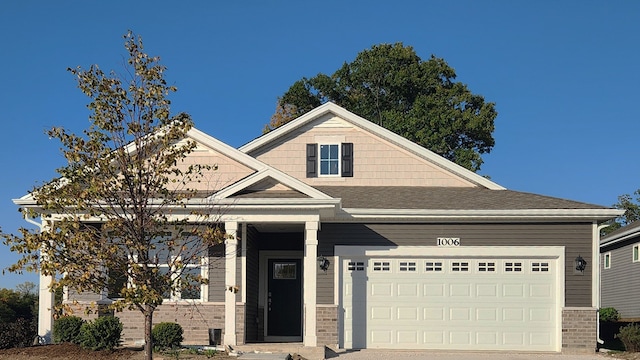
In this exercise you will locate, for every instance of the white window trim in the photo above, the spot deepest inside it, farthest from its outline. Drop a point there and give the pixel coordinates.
(635, 253)
(176, 295)
(606, 261)
(320, 174)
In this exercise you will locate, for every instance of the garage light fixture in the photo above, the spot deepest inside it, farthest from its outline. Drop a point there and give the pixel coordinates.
(323, 263)
(581, 263)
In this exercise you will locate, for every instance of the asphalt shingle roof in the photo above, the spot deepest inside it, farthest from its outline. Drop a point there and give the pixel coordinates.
(444, 198)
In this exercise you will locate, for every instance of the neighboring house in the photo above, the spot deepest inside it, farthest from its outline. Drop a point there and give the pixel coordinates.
(620, 268)
(422, 253)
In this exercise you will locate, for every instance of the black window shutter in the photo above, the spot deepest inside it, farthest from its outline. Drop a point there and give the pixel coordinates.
(312, 160)
(347, 160)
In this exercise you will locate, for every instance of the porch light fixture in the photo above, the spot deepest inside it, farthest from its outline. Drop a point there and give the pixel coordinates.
(581, 263)
(323, 263)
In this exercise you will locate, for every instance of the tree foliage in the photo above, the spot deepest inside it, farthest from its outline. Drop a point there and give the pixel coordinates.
(631, 209)
(122, 201)
(419, 100)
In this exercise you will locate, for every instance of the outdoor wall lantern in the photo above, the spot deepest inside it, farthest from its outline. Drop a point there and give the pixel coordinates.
(581, 263)
(323, 263)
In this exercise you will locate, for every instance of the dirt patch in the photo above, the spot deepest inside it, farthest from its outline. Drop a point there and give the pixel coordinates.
(74, 352)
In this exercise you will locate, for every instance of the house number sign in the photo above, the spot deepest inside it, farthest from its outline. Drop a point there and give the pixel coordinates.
(448, 242)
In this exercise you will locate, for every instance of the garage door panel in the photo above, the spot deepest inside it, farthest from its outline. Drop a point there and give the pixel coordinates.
(457, 290)
(457, 314)
(433, 313)
(407, 314)
(540, 338)
(540, 314)
(381, 289)
(486, 314)
(513, 291)
(513, 314)
(434, 290)
(487, 338)
(473, 304)
(487, 291)
(410, 290)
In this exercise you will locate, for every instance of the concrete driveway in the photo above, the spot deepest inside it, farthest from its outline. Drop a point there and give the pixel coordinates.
(372, 354)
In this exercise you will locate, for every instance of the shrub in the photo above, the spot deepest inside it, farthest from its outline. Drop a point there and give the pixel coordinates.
(102, 333)
(609, 314)
(67, 329)
(19, 333)
(167, 335)
(630, 337)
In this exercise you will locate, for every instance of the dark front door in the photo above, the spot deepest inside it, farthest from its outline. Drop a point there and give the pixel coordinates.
(284, 299)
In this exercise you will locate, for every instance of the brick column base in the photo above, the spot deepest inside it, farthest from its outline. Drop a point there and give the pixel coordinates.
(327, 325)
(579, 330)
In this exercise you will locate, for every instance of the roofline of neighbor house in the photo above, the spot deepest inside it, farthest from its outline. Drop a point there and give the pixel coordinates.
(631, 231)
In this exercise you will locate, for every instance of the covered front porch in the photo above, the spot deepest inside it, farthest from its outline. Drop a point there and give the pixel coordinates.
(271, 271)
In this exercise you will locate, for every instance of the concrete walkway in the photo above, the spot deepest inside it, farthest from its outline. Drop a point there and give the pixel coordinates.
(372, 354)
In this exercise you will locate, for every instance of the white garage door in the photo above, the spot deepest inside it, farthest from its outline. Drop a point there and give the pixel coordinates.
(450, 302)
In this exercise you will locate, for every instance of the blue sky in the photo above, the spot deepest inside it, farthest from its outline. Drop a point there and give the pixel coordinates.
(564, 76)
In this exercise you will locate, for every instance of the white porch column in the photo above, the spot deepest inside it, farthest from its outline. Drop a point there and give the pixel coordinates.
(309, 287)
(231, 248)
(45, 308)
(45, 301)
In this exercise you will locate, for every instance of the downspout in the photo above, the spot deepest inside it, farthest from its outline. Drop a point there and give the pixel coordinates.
(596, 268)
(33, 222)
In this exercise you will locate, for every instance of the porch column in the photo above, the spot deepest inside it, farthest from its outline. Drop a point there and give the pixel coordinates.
(45, 301)
(310, 280)
(231, 248)
(45, 308)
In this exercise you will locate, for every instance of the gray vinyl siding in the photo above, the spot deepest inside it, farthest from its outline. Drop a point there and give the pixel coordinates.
(216, 273)
(620, 284)
(576, 238)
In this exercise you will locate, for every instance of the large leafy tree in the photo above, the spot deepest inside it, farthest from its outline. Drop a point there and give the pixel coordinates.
(420, 100)
(119, 208)
(631, 209)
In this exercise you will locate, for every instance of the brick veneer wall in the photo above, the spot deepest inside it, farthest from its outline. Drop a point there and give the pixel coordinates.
(195, 319)
(327, 325)
(579, 330)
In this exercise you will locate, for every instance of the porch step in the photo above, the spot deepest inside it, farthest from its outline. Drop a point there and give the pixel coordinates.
(264, 356)
(280, 351)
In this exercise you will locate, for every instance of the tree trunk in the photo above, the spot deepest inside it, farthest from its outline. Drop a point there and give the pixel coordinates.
(148, 325)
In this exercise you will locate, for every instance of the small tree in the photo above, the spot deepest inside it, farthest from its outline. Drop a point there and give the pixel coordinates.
(124, 205)
(631, 214)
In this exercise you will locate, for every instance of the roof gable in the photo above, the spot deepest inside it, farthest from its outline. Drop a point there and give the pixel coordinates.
(326, 114)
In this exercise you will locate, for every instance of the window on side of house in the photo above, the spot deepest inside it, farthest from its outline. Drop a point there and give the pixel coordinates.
(180, 259)
(607, 260)
(636, 254)
(330, 160)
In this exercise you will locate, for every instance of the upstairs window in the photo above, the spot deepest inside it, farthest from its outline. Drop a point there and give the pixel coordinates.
(636, 256)
(607, 260)
(330, 160)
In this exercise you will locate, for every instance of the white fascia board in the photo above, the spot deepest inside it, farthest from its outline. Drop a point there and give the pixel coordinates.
(530, 214)
(375, 129)
(274, 174)
(625, 235)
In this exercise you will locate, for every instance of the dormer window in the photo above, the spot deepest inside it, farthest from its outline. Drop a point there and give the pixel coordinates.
(330, 160)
